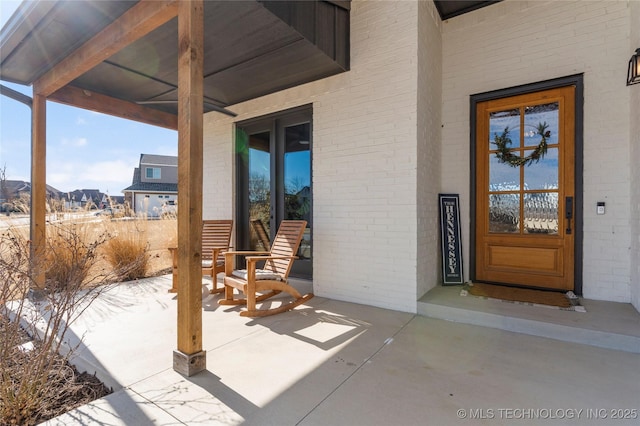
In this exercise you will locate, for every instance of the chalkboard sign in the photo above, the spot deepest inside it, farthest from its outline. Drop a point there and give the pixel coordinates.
(452, 272)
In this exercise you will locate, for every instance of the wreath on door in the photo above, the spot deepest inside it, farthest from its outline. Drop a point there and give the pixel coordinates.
(505, 155)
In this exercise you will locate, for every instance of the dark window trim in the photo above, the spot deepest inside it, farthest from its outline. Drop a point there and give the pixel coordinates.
(308, 108)
(271, 123)
(576, 80)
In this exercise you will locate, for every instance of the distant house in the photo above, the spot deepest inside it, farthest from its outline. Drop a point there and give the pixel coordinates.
(155, 182)
(108, 200)
(83, 198)
(12, 190)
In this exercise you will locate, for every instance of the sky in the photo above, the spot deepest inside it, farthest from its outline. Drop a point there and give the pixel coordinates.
(85, 150)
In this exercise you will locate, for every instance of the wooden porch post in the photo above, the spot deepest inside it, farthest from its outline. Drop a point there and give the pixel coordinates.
(189, 358)
(38, 188)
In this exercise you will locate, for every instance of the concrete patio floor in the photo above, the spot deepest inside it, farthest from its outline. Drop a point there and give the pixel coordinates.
(336, 363)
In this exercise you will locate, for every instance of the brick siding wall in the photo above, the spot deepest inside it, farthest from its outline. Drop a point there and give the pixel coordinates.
(428, 145)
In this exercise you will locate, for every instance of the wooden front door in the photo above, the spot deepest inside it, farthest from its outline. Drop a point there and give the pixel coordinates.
(525, 189)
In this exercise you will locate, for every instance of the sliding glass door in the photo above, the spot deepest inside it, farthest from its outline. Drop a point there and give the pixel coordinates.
(274, 181)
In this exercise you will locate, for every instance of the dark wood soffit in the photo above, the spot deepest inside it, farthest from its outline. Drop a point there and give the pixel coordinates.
(253, 48)
(279, 45)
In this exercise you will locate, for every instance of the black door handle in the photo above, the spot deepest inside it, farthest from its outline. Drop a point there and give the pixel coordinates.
(568, 212)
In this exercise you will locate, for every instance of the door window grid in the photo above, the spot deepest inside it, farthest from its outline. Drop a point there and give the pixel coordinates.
(524, 199)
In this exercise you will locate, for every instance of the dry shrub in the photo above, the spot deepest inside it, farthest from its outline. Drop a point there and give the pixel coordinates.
(36, 380)
(14, 266)
(69, 255)
(63, 390)
(128, 250)
(22, 203)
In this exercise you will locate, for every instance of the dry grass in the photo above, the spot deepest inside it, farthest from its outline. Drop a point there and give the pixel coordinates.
(140, 239)
(157, 235)
(127, 250)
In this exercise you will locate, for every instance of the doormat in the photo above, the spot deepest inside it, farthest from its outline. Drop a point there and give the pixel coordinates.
(550, 299)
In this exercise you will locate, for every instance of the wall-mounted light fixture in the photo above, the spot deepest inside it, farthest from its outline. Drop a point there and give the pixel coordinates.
(633, 75)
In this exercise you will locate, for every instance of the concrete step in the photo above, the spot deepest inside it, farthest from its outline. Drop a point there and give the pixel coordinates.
(608, 325)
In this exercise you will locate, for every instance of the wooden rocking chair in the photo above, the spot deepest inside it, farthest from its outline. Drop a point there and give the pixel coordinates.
(216, 237)
(272, 278)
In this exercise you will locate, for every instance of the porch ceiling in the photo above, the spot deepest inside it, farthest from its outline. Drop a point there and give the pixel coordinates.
(251, 49)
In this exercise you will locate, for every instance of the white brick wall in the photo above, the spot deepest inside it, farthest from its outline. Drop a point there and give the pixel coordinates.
(428, 145)
(364, 161)
(217, 168)
(635, 159)
(518, 42)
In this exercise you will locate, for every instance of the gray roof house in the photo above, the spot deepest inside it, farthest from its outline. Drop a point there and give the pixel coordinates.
(92, 197)
(154, 183)
(12, 190)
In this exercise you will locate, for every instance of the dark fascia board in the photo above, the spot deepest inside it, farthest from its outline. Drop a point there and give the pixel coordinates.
(345, 4)
(460, 8)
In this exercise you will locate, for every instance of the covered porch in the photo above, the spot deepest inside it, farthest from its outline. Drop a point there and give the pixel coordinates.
(166, 63)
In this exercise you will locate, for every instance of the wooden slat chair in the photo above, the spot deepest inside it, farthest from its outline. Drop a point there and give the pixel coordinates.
(216, 237)
(272, 278)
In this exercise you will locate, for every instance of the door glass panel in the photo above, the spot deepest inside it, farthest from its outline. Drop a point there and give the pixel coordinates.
(504, 213)
(544, 173)
(505, 124)
(259, 189)
(502, 176)
(541, 213)
(541, 119)
(297, 181)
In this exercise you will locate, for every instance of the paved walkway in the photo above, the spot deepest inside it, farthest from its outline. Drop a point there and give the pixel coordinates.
(337, 363)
